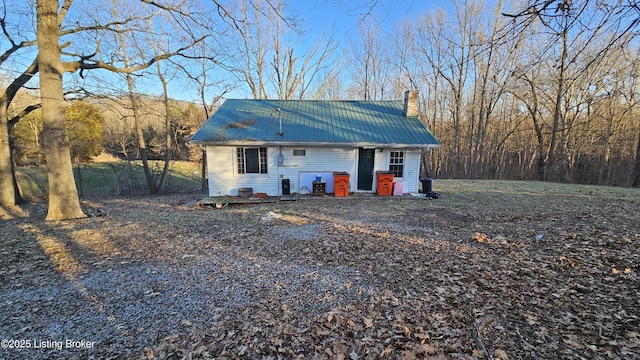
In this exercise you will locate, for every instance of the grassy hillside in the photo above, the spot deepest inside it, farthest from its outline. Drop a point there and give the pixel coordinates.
(105, 179)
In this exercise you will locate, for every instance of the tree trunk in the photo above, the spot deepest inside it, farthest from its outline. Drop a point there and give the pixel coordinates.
(19, 200)
(541, 164)
(6, 142)
(63, 196)
(7, 195)
(552, 161)
(556, 158)
(167, 122)
(636, 167)
(142, 145)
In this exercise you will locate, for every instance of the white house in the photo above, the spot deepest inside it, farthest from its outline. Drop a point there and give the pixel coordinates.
(282, 146)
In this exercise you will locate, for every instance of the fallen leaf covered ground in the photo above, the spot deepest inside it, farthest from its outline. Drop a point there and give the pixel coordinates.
(491, 270)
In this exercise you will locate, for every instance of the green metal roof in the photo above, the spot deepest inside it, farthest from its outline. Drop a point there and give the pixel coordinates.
(311, 122)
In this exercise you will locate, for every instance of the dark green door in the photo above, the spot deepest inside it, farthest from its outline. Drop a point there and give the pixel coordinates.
(366, 158)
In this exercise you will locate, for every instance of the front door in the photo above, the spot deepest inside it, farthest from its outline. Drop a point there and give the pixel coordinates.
(366, 159)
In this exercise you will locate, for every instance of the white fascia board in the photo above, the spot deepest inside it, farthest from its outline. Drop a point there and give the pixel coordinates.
(316, 144)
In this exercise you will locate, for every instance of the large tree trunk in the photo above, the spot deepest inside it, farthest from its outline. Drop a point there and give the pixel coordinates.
(7, 171)
(63, 196)
(7, 195)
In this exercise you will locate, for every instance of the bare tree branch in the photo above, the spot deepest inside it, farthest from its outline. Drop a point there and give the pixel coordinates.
(26, 111)
(20, 81)
(62, 14)
(73, 66)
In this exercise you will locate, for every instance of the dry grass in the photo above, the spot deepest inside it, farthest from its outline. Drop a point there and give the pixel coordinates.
(108, 177)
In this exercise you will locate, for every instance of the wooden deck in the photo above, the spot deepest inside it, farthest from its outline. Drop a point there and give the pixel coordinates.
(223, 201)
(219, 202)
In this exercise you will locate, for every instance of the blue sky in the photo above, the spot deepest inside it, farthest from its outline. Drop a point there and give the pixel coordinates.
(320, 16)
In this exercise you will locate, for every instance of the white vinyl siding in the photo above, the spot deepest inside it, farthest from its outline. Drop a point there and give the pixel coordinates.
(224, 176)
(225, 179)
(321, 161)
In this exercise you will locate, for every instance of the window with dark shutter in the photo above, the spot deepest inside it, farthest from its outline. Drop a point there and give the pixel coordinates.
(252, 160)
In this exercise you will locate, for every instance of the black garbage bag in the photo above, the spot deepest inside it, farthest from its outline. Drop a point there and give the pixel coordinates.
(432, 195)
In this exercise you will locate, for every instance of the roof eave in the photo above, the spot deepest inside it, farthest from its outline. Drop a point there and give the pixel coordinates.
(313, 144)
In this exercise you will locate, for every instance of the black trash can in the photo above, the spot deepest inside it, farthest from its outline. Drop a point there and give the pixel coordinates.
(245, 192)
(427, 185)
(286, 187)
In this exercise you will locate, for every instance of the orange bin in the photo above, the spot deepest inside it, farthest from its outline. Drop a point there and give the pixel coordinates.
(340, 184)
(384, 183)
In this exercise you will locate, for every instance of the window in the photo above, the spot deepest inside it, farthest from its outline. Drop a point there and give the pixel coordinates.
(396, 163)
(299, 152)
(252, 160)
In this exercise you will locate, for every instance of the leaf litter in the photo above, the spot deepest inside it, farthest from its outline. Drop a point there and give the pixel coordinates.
(355, 278)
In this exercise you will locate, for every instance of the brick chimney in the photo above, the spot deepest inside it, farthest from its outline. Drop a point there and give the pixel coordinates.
(411, 103)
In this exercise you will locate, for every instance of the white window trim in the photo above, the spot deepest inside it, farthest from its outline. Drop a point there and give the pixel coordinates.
(304, 151)
(404, 162)
(244, 148)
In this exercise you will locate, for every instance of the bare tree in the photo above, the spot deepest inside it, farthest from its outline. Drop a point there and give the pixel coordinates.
(251, 62)
(371, 64)
(18, 46)
(271, 59)
(63, 198)
(493, 58)
(210, 89)
(446, 49)
(9, 191)
(295, 76)
(579, 34)
(167, 124)
(530, 98)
